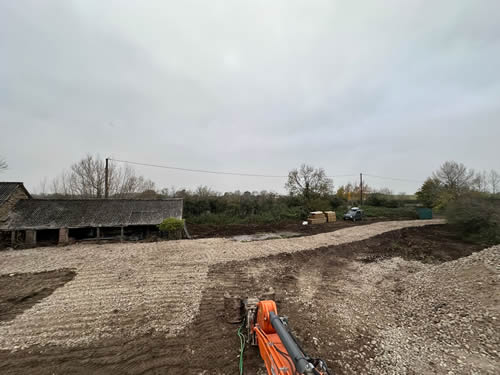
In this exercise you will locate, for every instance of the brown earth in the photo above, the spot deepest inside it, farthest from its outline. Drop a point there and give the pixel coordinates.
(138, 288)
(345, 303)
(213, 230)
(20, 291)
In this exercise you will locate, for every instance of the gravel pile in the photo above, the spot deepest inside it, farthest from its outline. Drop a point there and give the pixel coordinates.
(445, 319)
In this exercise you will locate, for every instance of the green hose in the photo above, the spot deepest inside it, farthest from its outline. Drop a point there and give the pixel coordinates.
(242, 345)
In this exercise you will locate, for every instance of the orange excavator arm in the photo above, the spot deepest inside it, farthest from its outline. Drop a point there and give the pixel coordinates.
(278, 348)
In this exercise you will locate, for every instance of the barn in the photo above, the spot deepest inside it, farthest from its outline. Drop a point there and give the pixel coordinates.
(28, 221)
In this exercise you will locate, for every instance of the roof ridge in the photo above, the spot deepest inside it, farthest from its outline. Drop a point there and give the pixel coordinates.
(80, 213)
(106, 199)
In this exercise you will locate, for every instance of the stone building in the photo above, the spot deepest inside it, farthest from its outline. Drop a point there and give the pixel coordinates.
(10, 193)
(27, 221)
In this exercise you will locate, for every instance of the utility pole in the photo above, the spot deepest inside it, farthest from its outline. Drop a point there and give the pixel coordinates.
(106, 180)
(361, 188)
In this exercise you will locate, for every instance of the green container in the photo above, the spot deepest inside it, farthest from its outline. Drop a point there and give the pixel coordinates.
(424, 213)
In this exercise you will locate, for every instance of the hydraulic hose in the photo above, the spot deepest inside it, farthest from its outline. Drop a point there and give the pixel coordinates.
(302, 365)
(242, 345)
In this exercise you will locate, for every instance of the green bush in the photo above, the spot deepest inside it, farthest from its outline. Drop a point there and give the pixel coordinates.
(206, 207)
(171, 224)
(319, 204)
(475, 217)
(337, 202)
(382, 200)
(272, 216)
(173, 227)
(390, 213)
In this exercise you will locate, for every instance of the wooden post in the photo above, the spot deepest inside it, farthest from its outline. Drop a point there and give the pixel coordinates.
(121, 233)
(13, 238)
(97, 232)
(63, 236)
(361, 188)
(188, 236)
(106, 180)
(30, 239)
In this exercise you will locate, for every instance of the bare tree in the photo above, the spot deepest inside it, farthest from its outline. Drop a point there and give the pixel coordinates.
(86, 178)
(41, 190)
(480, 182)
(308, 181)
(455, 177)
(3, 165)
(385, 191)
(494, 181)
(169, 192)
(123, 182)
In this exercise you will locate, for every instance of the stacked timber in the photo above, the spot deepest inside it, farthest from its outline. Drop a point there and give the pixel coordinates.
(330, 216)
(316, 217)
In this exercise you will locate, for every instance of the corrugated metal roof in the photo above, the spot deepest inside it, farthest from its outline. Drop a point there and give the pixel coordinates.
(7, 188)
(79, 213)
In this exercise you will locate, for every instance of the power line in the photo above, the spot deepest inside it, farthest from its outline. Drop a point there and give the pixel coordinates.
(392, 178)
(343, 175)
(198, 170)
(246, 174)
(211, 171)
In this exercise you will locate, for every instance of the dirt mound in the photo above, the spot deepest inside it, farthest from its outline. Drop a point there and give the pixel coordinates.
(432, 244)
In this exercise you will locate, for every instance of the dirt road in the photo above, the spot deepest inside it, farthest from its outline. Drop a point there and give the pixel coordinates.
(156, 307)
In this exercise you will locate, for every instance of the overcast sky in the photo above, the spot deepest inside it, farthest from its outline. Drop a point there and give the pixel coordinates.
(390, 88)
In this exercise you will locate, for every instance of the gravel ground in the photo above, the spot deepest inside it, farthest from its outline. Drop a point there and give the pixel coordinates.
(447, 319)
(138, 288)
(368, 300)
(418, 318)
(392, 304)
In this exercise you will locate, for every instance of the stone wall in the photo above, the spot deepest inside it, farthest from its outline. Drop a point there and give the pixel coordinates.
(7, 205)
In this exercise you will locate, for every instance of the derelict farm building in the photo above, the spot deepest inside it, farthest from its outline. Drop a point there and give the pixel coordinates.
(28, 221)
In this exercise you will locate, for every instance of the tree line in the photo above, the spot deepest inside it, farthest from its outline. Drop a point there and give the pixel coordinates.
(86, 179)
(453, 189)
(469, 199)
(309, 189)
(453, 180)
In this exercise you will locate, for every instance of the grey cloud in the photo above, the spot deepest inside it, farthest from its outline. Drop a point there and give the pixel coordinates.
(389, 88)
